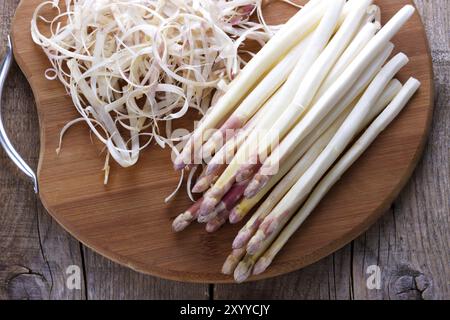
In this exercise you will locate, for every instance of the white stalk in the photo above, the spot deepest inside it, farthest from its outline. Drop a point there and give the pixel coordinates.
(284, 40)
(256, 98)
(362, 144)
(270, 165)
(343, 84)
(318, 42)
(306, 161)
(285, 209)
(319, 69)
(355, 47)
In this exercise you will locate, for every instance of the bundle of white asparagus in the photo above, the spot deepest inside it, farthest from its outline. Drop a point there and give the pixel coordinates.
(285, 130)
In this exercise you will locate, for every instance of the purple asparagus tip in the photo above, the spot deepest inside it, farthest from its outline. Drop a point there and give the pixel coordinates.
(255, 243)
(241, 239)
(242, 272)
(262, 265)
(207, 207)
(235, 216)
(201, 185)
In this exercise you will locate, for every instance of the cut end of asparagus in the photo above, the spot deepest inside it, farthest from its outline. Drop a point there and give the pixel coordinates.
(242, 272)
(229, 266)
(262, 265)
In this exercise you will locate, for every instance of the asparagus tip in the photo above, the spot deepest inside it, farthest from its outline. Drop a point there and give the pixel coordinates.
(207, 206)
(228, 266)
(181, 222)
(200, 186)
(214, 225)
(235, 216)
(257, 183)
(241, 239)
(179, 164)
(255, 242)
(242, 272)
(212, 167)
(262, 265)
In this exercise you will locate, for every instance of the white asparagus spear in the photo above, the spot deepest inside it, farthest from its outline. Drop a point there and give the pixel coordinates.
(374, 130)
(183, 220)
(307, 10)
(244, 268)
(362, 38)
(342, 84)
(318, 42)
(287, 182)
(312, 80)
(285, 39)
(236, 214)
(261, 177)
(275, 221)
(239, 212)
(255, 99)
(355, 47)
(300, 168)
(217, 164)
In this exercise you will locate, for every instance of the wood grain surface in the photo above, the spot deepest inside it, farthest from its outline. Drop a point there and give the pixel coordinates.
(410, 243)
(127, 220)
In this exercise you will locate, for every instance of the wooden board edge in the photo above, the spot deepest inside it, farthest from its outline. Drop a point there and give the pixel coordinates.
(215, 278)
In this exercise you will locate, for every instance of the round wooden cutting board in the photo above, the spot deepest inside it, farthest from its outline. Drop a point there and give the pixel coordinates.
(128, 221)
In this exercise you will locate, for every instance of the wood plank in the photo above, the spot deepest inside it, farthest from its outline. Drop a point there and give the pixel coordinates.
(410, 243)
(109, 280)
(35, 252)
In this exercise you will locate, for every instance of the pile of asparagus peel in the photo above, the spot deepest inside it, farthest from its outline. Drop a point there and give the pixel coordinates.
(300, 113)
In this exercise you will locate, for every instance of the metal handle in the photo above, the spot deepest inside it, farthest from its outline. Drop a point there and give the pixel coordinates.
(4, 140)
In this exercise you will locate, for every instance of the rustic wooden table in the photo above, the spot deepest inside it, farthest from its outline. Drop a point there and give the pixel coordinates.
(410, 244)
